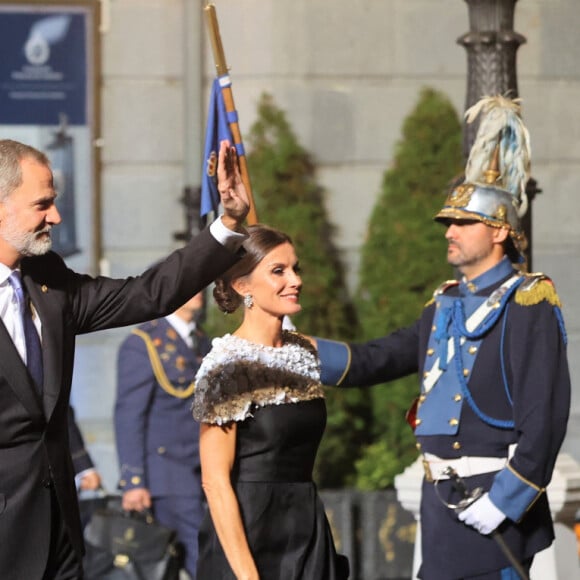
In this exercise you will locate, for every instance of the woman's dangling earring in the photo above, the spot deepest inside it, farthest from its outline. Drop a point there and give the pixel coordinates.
(248, 301)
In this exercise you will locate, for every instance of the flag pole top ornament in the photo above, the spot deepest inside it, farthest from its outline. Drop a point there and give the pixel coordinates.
(496, 174)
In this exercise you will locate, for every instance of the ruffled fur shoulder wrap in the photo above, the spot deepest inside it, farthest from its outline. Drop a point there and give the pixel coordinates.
(238, 375)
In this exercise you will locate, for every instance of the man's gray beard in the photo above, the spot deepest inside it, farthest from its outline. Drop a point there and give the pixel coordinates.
(26, 243)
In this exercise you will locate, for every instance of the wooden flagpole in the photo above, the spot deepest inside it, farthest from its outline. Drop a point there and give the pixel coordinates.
(222, 70)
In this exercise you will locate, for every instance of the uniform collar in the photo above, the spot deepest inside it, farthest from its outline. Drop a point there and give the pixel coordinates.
(184, 329)
(494, 275)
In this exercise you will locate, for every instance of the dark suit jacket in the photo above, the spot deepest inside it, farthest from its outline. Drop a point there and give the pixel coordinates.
(34, 446)
(79, 454)
(157, 438)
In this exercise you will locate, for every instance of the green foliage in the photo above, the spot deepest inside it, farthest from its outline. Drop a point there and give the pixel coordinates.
(218, 323)
(289, 198)
(403, 261)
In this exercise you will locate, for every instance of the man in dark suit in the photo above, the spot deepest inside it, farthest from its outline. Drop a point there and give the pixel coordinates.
(87, 477)
(88, 480)
(40, 535)
(157, 438)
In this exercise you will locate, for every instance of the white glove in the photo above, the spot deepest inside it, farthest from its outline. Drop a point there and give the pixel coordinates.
(482, 515)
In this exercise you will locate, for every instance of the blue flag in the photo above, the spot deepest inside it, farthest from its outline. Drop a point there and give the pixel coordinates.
(217, 129)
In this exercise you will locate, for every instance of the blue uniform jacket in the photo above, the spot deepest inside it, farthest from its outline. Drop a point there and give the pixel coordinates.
(517, 391)
(157, 437)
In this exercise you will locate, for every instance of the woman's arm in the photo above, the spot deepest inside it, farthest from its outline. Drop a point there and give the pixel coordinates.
(217, 452)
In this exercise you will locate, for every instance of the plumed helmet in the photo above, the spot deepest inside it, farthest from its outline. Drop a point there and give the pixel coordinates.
(496, 173)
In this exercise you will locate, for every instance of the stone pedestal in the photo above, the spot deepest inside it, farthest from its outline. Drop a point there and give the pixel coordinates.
(408, 486)
(560, 560)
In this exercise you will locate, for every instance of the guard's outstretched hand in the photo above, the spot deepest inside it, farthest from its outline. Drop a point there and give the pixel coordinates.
(234, 197)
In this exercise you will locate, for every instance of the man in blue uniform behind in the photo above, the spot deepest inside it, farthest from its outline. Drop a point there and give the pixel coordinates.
(157, 438)
(490, 350)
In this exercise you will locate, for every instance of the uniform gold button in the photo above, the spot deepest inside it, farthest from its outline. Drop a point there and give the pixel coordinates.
(465, 372)
(472, 350)
(44, 288)
(122, 483)
(472, 287)
(418, 421)
(456, 445)
(425, 374)
(422, 398)
(418, 446)
(135, 480)
(453, 422)
(430, 351)
(433, 328)
(161, 450)
(457, 398)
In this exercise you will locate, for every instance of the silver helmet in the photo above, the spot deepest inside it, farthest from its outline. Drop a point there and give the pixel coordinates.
(497, 171)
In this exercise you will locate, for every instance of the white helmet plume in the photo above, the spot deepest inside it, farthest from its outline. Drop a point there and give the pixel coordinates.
(501, 126)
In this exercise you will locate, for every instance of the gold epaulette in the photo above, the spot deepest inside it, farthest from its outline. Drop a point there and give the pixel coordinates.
(535, 288)
(441, 289)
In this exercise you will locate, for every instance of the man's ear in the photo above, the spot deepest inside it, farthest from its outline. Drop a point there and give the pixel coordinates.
(500, 235)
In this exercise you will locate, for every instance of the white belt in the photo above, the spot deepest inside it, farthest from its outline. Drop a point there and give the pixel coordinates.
(435, 467)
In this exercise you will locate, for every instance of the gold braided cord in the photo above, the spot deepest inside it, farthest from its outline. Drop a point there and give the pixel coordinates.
(525, 480)
(347, 366)
(159, 371)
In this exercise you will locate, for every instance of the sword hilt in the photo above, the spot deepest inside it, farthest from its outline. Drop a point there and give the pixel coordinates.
(467, 497)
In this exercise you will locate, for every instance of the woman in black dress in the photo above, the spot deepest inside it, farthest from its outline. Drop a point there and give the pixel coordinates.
(261, 406)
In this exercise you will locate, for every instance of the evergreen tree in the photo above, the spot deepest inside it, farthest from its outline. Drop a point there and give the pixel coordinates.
(403, 261)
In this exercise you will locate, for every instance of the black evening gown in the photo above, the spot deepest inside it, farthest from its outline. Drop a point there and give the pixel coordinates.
(283, 516)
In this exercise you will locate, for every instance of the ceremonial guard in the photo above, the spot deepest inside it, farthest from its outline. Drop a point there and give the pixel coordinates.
(157, 438)
(490, 350)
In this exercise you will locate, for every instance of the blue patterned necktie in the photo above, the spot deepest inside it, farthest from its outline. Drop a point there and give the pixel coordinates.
(31, 338)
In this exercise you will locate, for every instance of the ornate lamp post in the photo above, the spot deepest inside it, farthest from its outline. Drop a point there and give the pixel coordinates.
(190, 201)
(491, 45)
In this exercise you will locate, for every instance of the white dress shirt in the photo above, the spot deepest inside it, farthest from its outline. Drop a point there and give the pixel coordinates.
(10, 313)
(226, 237)
(184, 329)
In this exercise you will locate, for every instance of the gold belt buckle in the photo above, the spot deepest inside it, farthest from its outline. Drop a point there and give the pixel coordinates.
(427, 470)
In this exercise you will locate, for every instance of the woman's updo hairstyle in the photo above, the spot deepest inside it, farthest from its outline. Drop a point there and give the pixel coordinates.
(261, 241)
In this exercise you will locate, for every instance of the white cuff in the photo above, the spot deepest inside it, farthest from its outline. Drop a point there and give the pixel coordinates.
(79, 476)
(226, 237)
